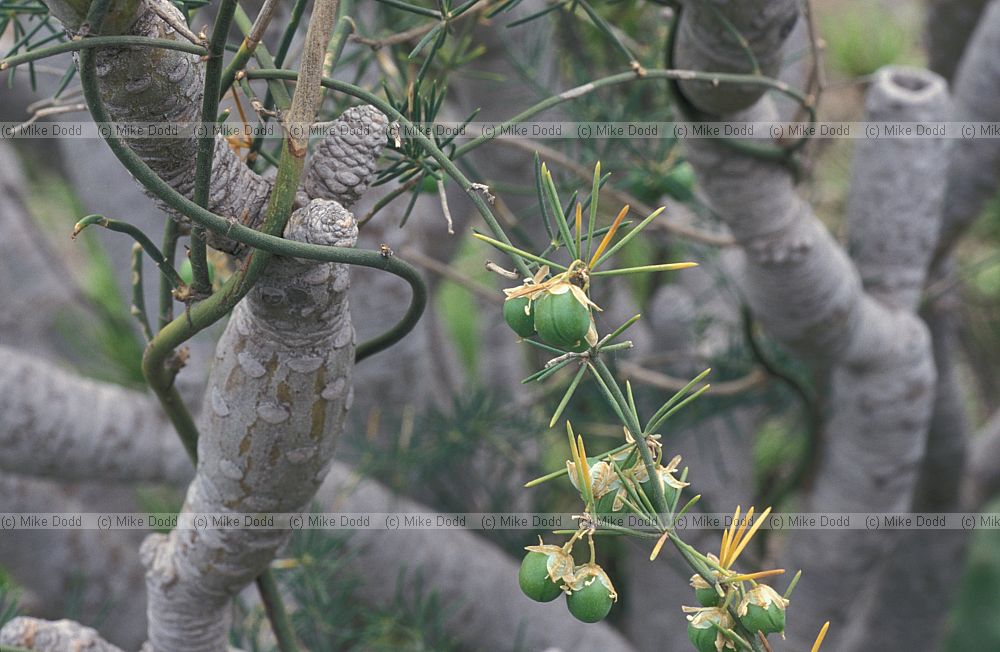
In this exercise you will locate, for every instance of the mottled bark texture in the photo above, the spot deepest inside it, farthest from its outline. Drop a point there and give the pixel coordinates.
(111, 435)
(876, 359)
(709, 40)
(975, 162)
(143, 85)
(57, 636)
(115, 576)
(950, 24)
(274, 407)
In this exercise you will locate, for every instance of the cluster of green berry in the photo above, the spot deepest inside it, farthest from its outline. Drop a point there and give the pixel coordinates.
(555, 308)
(760, 609)
(549, 571)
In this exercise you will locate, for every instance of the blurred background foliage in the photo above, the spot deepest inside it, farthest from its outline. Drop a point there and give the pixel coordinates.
(473, 451)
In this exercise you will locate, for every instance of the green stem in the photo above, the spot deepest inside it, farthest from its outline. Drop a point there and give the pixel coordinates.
(273, 93)
(440, 157)
(281, 624)
(201, 285)
(138, 295)
(99, 42)
(647, 75)
(632, 422)
(248, 46)
(140, 238)
(171, 233)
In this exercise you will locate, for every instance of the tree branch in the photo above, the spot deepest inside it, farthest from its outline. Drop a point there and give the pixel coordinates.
(485, 608)
(895, 201)
(975, 162)
(53, 636)
(806, 293)
(274, 407)
(100, 432)
(949, 26)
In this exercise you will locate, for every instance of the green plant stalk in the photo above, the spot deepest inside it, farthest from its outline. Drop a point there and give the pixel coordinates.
(647, 75)
(99, 42)
(171, 233)
(273, 93)
(676, 397)
(274, 606)
(275, 89)
(560, 217)
(138, 309)
(201, 285)
(618, 331)
(659, 500)
(440, 157)
(568, 395)
(265, 242)
(251, 40)
(141, 240)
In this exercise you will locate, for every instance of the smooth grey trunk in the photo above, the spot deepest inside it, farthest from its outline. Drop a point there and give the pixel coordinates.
(893, 217)
(707, 41)
(94, 439)
(807, 294)
(949, 25)
(975, 162)
(897, 188)
(925, 567)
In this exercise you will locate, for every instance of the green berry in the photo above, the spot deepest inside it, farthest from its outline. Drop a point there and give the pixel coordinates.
(561, 319)
(704, 592)
(702, 633)
(763, 610)
(770, 620)
(679, 182)
(592, 601)
(519, 316)
(534, 578)
(187, 273)
(707, 597)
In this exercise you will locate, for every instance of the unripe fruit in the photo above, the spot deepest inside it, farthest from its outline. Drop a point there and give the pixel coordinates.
(187, 273)
(561, 320)
(534, 578)
(763, 610)
(592, 601)
(706, 594)
(679, 182)
(770, 620)
(707, 597)
(518, 314)
(703, 634)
